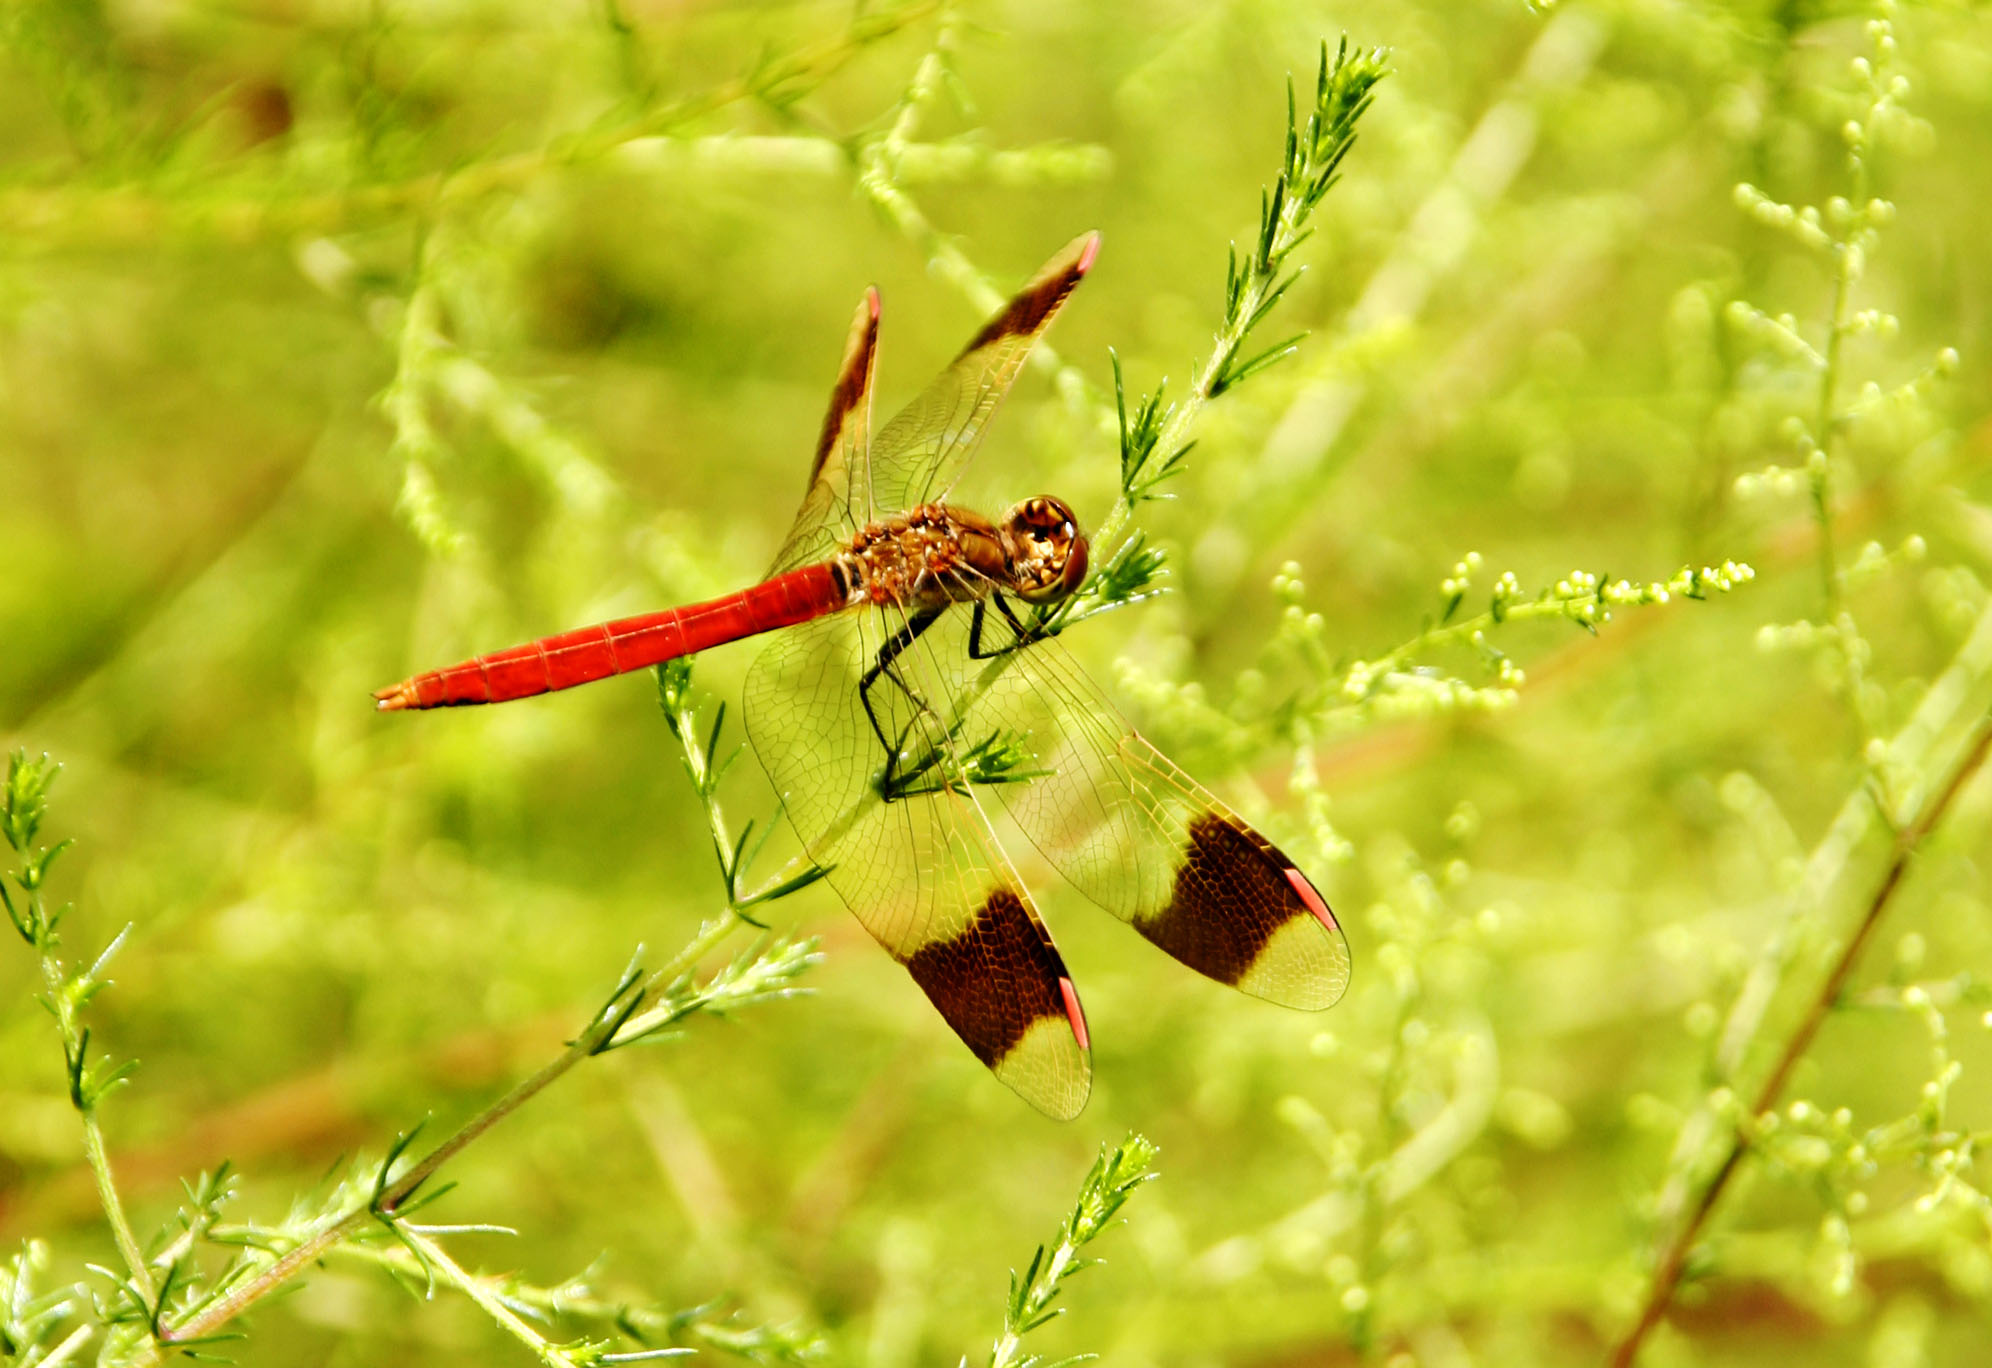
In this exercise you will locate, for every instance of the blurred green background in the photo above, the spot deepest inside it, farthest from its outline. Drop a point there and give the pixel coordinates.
(340, 340)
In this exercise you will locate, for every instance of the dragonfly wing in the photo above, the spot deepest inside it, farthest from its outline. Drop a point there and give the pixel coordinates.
(1142, 839)
(835, 501)
(919, 455)
(922, 873)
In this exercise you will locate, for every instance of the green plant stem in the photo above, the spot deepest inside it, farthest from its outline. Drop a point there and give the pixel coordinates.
(99, 1159)
(1588, 608)
(569, 1300)
(616, 1023)
(607, 1024)
(705, 769)
(1116, 526)
(1847, 253)
(71, 1344)
(1007, 1351)
(56, 985)
(128, 214)
(213, 1317)
(1114, 1177)
(437, 1262)
(1821, 478)
(1258, 278)
(1829, 384)
(878, 169)
(1667, 1275)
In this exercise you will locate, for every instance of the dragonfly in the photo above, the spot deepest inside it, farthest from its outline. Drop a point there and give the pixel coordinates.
(915, 682)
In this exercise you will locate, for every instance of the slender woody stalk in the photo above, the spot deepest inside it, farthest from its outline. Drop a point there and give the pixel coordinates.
(1673, 1260)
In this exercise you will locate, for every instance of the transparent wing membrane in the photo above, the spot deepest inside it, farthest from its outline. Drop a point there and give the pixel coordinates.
(1133, 832)
(834, 504)
(921, 868)
(919, 455)
(923, 873)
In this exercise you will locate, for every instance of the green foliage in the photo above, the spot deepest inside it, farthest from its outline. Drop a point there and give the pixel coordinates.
(705, 770)
(343, 341)
(167, 1304)
(1113, 1178)
(1153, 444)
(1342, 92)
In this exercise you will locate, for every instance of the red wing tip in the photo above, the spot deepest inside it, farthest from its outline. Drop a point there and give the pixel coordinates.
(1073, 1012)
(1090, 250)
(1310, 897)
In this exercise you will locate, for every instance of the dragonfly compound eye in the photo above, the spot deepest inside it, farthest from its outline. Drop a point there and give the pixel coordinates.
(1047, 550)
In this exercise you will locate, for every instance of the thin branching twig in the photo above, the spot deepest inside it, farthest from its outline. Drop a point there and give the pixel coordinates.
(1674, 1257)
(643, 1006)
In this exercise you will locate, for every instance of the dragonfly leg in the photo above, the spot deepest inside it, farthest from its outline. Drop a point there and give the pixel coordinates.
(882, 666)
(1020, 636)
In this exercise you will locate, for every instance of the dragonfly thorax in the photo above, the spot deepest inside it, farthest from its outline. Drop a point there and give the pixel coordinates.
(936, 554)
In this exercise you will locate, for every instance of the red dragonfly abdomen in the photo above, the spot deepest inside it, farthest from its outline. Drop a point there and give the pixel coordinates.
(590, 653)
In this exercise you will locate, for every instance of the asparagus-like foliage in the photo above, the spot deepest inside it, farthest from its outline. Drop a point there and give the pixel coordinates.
(705, 767)
(1113, 1178)
(1153, 429)
(1255, 280)
(66, 992)
(642, 1007)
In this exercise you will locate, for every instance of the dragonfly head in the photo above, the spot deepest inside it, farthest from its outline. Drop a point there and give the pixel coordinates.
(1046, 549)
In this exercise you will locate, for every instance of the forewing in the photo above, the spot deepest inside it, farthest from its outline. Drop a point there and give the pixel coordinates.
(922, 873)
(1142, 839)
(836, 494)
(918, 456)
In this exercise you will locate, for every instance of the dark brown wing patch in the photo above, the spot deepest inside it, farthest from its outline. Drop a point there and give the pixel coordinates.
(997, 979)
(844, 424)
(837, 499)
(1234, 891)
(917, 457)
(1032, 307)
(1135, 834)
